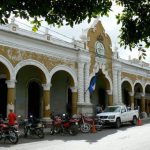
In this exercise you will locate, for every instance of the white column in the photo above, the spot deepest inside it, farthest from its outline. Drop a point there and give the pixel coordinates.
(80, 82)
(110, 101)
(87, 82)
(74, 100)
(46, 100)
(142, 102)
(119, 88)
(131, 100)
(11, 95)
(115, 86)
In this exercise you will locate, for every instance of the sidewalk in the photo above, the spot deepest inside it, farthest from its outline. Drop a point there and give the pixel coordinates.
(146, 120)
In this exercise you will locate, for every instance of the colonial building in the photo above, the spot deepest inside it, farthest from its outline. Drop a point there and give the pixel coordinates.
(40, 73)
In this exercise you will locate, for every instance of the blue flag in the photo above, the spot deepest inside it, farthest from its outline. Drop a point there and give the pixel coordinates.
(91, 88)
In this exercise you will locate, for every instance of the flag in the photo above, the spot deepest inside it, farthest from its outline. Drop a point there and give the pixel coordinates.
(92, 85)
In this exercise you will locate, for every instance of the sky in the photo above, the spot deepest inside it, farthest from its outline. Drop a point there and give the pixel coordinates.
(110, 26)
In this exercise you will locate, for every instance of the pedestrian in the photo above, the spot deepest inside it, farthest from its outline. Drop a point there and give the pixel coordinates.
(11, 118)
(98, 109)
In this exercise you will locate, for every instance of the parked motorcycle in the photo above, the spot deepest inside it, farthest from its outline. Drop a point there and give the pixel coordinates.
(21, 124)
(64, 124)
(33, 127)
(55, 126)
(86, 123)
(8, 132)
(99, 124)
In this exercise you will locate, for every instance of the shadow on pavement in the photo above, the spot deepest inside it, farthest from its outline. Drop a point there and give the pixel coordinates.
(88, 137)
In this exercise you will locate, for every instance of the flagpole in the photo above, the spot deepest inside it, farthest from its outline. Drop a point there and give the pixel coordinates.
(86, 91)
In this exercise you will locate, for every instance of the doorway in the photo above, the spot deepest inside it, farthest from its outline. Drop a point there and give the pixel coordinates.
(102, 97)
(3, 97)
(34, 99)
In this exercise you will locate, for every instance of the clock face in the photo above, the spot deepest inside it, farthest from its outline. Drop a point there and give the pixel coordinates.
(99, 48)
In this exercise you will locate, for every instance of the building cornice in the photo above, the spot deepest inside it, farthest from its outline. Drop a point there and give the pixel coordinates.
(33, 45)
(131, 68)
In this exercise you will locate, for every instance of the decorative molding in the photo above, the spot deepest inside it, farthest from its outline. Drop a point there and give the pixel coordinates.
(71, 71)
(93, 26)
(140, 82)
(147, 83)
(99, 66)
(45, 49)
(47, 107)
(10, 106)
(115, 87)
(100, 38)
(73, 89)
(130, 82)
(37, 36)
(81, 82)
(131, 93)
(131, 68)
(11, 83)
(46, 87)
(109, 92)
(117, 65)
(86, 82)
(7, 64)
(42, 46)
(31, 62)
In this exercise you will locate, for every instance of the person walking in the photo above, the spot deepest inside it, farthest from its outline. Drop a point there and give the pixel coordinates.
(11, 118)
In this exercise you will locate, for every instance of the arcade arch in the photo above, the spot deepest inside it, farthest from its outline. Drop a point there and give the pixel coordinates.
(138, 94)
(5, 74)
(29, 91)
(126, 90)
(62, 95)
(100, 95)
(147, 98)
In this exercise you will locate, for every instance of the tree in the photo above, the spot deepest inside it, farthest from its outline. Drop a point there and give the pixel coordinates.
(135, 17)
(54, 11)
(135, 20)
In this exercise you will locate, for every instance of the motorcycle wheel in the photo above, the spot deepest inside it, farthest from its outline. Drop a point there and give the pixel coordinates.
(13, 137)
(54, 130)
(99, 127)
(51, 131)
(25, 132)
(40, 133)
(1, 135)
(85, 128)
(73, 130)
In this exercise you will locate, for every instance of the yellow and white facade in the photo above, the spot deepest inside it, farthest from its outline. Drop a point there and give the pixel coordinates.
(39, 73)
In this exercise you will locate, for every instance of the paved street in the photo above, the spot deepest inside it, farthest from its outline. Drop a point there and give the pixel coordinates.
(126, 138)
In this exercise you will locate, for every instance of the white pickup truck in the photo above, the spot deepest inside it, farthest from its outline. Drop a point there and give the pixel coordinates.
(117, 115)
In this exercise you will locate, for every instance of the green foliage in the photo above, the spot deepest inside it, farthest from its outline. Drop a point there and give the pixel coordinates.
(134, 19)
(54, 11)
(142, 52)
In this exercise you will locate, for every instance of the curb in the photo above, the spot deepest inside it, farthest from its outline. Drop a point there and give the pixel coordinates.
(146, 120)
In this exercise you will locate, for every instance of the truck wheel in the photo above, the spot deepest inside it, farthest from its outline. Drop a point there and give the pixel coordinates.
(134, 122)
(118, 123)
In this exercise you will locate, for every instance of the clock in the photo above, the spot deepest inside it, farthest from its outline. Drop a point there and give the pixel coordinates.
(99, 48)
